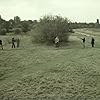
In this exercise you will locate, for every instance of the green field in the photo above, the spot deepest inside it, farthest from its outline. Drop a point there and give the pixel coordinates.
(40, 72)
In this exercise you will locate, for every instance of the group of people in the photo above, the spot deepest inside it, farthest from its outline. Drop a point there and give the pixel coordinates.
(92, 42)
(56, 42)
(13, 43)
(83, 39)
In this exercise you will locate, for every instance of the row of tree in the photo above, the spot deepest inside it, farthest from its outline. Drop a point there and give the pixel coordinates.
(18, 26)
(84, 25)
(15, 25)
(44, 30)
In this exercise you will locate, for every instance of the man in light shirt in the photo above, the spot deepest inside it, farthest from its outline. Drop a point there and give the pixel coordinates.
(57, 41)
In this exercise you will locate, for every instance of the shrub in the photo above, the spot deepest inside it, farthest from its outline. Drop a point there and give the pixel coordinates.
(3, 31)
(17, 31)
(25, 26)
(51, 26)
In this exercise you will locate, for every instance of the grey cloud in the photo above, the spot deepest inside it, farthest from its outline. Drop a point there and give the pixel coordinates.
(76, 10)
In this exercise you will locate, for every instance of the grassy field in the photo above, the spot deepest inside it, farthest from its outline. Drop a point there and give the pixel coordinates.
(39, 72)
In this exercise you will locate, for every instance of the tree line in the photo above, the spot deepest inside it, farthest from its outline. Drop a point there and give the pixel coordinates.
(45, 29)
(15, 25)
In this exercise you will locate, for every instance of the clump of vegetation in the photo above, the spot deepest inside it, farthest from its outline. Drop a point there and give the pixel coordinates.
(25, 26)
(49, 27)
(17, 31)
(3, 31)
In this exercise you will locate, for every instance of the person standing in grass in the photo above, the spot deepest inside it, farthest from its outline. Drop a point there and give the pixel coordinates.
(57, 41)
(1, 44)
(83, 39)
(92, 42)
(18, 41)
(13, 43)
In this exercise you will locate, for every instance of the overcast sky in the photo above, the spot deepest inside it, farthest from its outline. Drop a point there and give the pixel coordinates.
(75, 10)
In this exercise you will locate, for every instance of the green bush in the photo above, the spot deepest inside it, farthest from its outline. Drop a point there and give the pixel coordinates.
(17, 31)
(25, 26)
(3, 31)
(49, 27)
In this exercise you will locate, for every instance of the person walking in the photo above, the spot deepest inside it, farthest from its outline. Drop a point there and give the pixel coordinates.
(83, 39)
(13, 43)
(1, 44)
(92, 42)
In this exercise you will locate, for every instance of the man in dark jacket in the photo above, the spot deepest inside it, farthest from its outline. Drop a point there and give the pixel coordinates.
(1, 44)
(92, 42)
(13, 43)
(83, 39)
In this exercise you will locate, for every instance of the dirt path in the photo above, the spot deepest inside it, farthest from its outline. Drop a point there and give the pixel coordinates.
(83, 34)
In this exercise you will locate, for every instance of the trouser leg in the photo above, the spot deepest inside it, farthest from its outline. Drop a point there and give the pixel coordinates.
(13, 45)
(92, 45)
(83, 45)
(57, 44)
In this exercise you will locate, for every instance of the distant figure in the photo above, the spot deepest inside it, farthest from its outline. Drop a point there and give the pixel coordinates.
(92, 42)
(13, 43)
(18, 42)
(83, 42)
(57, 41)
(1, 44)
